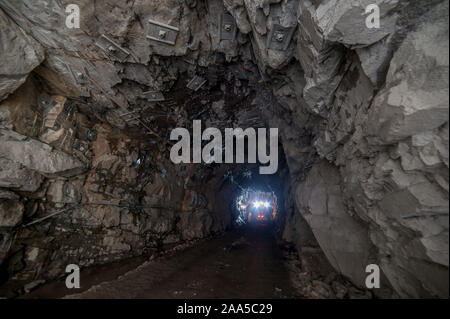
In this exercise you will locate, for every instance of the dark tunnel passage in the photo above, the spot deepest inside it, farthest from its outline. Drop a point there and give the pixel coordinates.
(247, 259)
(223, 149)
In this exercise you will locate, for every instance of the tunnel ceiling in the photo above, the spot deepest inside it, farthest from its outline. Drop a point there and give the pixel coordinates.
(86, 114)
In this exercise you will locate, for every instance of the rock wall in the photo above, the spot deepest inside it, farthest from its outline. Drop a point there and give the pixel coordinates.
(379, 193)
(362, 113)
(85, 175)
(108, 196)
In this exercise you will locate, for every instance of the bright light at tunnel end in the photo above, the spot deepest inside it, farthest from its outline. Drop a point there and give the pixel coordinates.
(257, 204)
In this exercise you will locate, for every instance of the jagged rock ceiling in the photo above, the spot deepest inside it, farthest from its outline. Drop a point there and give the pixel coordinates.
(362, 113)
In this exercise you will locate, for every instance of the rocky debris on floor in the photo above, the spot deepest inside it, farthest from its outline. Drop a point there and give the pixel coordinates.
(311, 281)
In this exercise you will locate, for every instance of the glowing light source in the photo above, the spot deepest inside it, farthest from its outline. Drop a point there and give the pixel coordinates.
(258, 204)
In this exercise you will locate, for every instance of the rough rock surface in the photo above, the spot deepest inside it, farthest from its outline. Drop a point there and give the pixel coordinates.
(344, 240)
(16, 45)
(362, 114)
(391, 150)
(37, 156)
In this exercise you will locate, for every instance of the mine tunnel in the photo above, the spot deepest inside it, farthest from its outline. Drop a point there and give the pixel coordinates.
(114, 159)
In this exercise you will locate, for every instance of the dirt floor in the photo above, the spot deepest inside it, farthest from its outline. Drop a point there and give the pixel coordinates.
(244, 263)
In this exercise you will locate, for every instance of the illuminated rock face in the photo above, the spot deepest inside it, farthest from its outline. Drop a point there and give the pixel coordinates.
(16, 45)
(362, 116)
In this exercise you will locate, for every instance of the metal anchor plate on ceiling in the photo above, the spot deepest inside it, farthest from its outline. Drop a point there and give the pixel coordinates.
(280, 37)
(46, 102)
(153, 96)
(111, 47)
(78, 76)
(170, 103)
(130, 116)
(66, 114)
(196, 83)
(161, 32)
(227, 27)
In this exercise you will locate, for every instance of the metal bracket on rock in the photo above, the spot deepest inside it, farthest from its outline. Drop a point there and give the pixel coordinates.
(153, 96)
(280, 37)
(112, 48)
(227, 27)
(130, 116)
(161, 32)
(78, 76)
(46, 103)
(196, 83)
